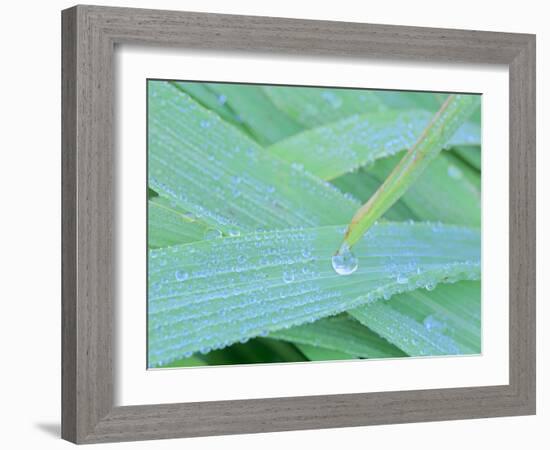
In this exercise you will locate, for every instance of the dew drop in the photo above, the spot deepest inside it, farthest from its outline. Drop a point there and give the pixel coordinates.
(344, 262)
(234, 233)
(205, 123)
(288, 277)
(433, 323)
(181, 275)
(212, 233)
(402, 279)
(454, 172)
(222, 99)
(429, 286)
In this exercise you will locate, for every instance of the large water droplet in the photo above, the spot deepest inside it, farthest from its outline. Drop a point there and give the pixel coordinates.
(344, 262)
(454, 172)
(181, 275)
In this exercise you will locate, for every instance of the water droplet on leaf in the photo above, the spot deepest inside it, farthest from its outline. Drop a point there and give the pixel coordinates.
(432, 323)
(212, 233)
(429, 286)
(402, 279)
(181, 275)
(288, 277)
(454, 172)
(344, 262)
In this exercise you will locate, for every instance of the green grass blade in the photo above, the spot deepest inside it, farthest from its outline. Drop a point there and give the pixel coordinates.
(470, 155)
(312, 107)
(168, 225)
(403, 100)
(212, 170)
(264, 121)
(444, 125)
(313, 353)
(209, 99)
(272, 280)
(342, 334)
(359, 140)
(192, 361)
(445, 321)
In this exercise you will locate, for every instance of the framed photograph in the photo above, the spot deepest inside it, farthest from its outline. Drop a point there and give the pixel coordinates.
(279, 224)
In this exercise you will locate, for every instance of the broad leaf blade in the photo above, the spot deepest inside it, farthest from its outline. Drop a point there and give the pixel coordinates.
(359, 140)
(343, 334)
(256, 112)
(211, 169)
(447, 191)
(311, 107)
(273, 280)
(314, 353)
(470, 155)
(445, 321)
(169, 225)
(209, 99)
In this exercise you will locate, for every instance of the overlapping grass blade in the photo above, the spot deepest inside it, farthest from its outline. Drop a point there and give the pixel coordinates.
(209, 168)
(342, 334)
(265, 122)
(314, 353)
(211, 100)
(447, 191)
(312, 107)
(194, 142)
(168, 225)
(470, 155)
(272, 280)
(453, 113)
(445, 321)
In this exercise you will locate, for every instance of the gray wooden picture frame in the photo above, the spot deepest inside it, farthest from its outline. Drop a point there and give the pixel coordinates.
(90, 34)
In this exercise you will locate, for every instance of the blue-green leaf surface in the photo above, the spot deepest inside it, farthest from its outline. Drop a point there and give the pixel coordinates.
(359, 140)
(342, 334)
(169, 225)
(443, 322)
(209, 168)
(273, 280)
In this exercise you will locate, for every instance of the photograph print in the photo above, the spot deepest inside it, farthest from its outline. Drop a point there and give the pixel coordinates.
(294, 224)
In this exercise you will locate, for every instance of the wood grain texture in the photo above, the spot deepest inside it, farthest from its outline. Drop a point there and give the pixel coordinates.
(89, 267)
